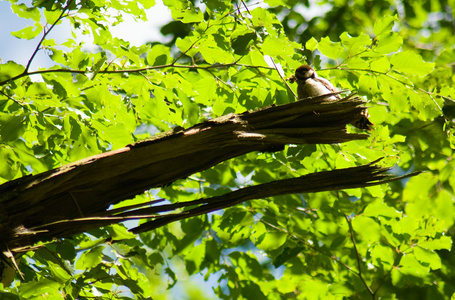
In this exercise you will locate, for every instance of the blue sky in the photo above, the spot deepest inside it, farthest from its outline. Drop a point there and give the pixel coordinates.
(20, 50)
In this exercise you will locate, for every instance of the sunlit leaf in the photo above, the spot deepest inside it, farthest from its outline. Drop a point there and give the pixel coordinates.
(10, 69)
(28, 32)
(384, 25)
(311, 44)
(184, 11)
(331, 49)
(411, 63)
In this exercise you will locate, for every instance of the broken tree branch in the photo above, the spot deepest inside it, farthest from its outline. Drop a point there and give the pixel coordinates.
(43, 206)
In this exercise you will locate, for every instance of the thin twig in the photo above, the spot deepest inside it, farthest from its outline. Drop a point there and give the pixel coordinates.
(46, 32)
(11, 98)
(400, 81)
(238, 8)
(359, 260)
(276, 68)
(218, 66)
(383, 280)
(186, 51)
(246, 7)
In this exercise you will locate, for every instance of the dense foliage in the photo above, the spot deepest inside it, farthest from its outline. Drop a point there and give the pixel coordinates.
(387, 242)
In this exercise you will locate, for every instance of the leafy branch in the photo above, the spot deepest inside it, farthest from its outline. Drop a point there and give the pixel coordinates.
(411, 86)
(311, 246)
(46, 32)
(173, 64)
(139, 70)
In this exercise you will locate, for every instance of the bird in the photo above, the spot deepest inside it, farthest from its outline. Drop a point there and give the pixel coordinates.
(309, 84)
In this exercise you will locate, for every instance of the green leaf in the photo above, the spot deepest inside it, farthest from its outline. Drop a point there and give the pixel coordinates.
(357, 63)
(42, 287)
(272, 241)
(263, 18)
(8, 296)
(409, 265)
(427, 257)
(411, 63)
(10, 69)
(147, 3)
(96, 67)
(331, 49)
(286, 3)
(119, 232)
(381, 64)
(368, 84)
(187, 45)
(311, 44)
(218, 5)
(159, 55)
(388, 43)
(9, 169)
(241, 41)
(367, 228)
(184, 11)
(355, 44)
(382, 256)
(66, 250)
(444, 242)
(341, 289)
(275, 46)
(90, 259)
(213, 54)
(207, 91)
(26, 12)
(11, 127)
(445, 57)
(117, 135)
(380, 209)
(52, 15)
(195, 258)
(287, 254)
(59, 274)
(252, 291)
(28, 32)
(384, 25)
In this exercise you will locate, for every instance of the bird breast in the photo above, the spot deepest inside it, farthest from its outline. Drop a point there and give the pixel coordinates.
(312, 88)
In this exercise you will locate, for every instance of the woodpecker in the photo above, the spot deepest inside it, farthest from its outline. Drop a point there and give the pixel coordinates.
(309, 84)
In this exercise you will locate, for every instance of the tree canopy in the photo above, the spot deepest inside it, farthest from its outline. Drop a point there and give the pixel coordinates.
(389, 241)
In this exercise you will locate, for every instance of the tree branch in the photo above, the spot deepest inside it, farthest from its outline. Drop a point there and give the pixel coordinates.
(76, 197)
(138, 70)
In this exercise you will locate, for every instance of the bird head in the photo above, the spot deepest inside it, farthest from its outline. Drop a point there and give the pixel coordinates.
(304, 72)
